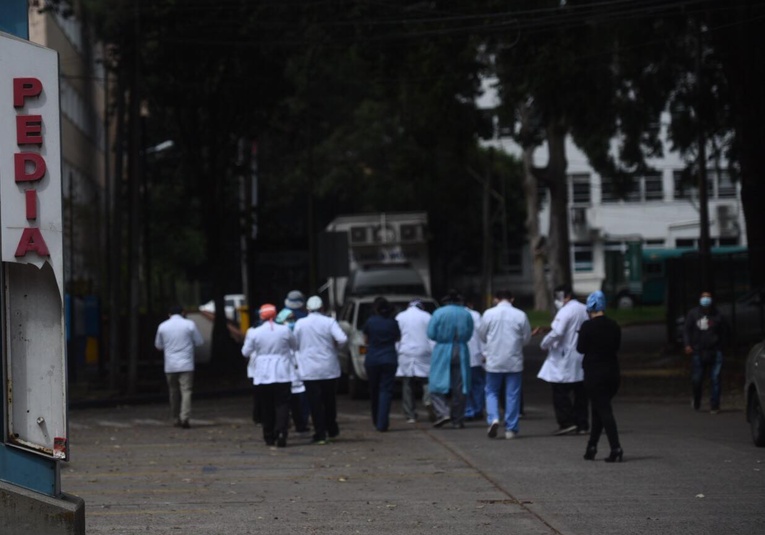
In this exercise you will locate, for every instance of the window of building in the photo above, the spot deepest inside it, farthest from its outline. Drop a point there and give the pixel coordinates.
(719, 185)
(582, 257)
(653, 188)
(607, 190)
(580, 188)
(725, 186)
(655, 244)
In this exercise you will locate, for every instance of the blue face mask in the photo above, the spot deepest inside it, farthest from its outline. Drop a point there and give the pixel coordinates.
(705, 301)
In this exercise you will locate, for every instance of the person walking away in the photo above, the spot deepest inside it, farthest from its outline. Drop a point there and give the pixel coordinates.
(450, 328)
(299, 409)
(381, 332)
(318, 337)
(504, 330)
(272, 346)
(599, 341)
(476, 398)
(705, 334)
(563, 366)
(177, 337)
(414, 354)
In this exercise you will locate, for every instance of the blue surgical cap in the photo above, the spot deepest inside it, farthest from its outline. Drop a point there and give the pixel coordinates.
(596, 302)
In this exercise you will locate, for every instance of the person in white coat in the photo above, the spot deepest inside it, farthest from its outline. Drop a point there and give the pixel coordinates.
(177, 337)
(476, 398)
(563, 366)
(504, 331)
(318, 337)
(414, 352)
(270, 347)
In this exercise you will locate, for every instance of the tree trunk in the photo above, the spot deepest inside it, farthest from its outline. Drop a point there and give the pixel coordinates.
(537, 243)
(560, 246)
(740, 45)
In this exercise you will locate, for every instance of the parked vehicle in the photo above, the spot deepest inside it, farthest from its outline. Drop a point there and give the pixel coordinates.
(754, 387)
(387, 254)
(232, 302)
(640, 275)
(352, 317)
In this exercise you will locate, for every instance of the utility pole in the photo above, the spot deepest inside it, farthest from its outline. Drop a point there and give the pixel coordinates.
(704, 246)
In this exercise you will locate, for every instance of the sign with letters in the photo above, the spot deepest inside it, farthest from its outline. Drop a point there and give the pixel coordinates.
(31, 245)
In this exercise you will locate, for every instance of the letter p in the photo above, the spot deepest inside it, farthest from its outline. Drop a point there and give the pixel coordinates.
(24, 88)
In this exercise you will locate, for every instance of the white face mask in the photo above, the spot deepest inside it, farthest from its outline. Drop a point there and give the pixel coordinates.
(559, 296)
(705, 301)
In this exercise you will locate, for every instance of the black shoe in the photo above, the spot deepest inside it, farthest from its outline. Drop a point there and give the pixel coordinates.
(616, 456)
(281, 442)
(441, 421)
(565, 430)
(185, 424)
(589, 455)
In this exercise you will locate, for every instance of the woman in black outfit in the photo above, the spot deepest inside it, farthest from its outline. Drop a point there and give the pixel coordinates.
(381, 361)
(599, 340)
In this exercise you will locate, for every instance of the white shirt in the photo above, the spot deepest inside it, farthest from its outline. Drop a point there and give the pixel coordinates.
(270, 350)
(177, 337)
(564, 363)
(318, 337)
(415, 348)
(504, 331)
(475, 347)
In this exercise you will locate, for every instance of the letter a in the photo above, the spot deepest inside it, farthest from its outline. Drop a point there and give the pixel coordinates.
(32, 240)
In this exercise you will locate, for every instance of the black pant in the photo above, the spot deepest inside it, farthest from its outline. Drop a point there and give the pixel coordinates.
(570, 404)
(275, 410)
(601, 390)
(321, 398)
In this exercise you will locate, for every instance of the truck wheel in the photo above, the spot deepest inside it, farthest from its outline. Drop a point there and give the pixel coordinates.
(756, 421)
(357, 389)
(625, 301)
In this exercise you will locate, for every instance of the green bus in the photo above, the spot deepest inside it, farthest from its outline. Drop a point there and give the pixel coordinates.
(639, 275)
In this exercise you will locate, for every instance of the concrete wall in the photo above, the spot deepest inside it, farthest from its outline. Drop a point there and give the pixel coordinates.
(24, 512)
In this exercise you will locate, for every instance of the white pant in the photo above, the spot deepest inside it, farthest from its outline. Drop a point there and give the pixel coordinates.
(180, 386)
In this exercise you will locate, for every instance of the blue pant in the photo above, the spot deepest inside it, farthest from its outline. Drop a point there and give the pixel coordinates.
(476, 398)
(382, 378)
(699, 369)
(512, 383)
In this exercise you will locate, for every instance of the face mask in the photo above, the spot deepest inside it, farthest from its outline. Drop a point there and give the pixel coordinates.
(558, 304)
(705, 301)
(559, 300)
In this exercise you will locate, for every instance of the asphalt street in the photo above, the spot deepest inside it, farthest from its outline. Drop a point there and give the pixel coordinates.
(684, 472)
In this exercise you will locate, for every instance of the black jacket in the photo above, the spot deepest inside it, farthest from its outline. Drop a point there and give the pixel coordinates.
(705, 329)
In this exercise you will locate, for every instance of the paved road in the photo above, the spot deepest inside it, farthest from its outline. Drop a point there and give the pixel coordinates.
(684, 472)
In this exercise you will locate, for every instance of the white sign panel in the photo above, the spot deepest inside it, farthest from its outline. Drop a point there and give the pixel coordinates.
(31, 244)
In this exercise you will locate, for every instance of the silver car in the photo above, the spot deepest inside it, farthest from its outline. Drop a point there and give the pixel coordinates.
(755, 393)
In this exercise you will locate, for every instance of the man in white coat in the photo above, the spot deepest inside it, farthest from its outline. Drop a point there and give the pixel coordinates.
(563, 366)
(318, 337)
(270, 348)
(504, 331)
(177, 337)
(414, 352)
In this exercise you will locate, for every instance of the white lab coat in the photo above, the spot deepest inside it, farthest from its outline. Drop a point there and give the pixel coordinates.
(475, 347)
(270, 350)
(414, 348)
(564, 363)
(177, 337)
(318, 337)
(504, 331)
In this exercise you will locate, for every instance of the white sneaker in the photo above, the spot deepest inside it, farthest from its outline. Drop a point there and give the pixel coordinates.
(510, 435)
(493, 429)
(411, 421)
